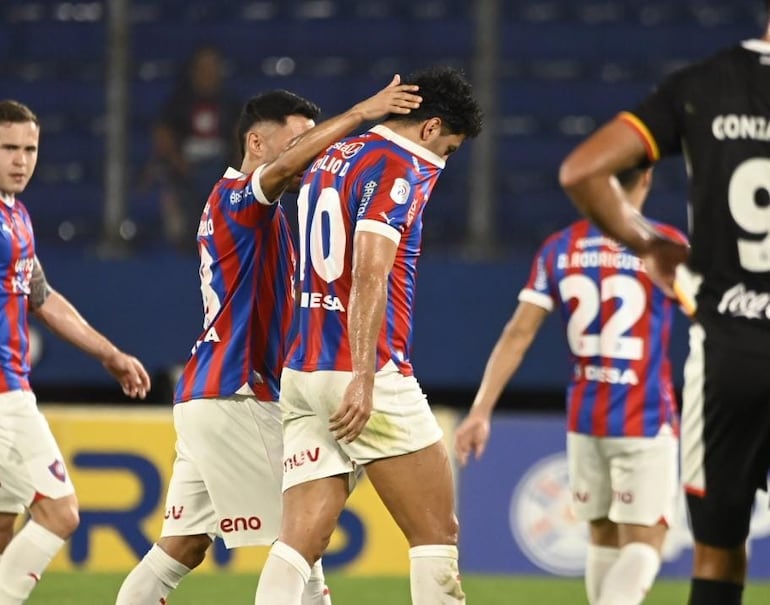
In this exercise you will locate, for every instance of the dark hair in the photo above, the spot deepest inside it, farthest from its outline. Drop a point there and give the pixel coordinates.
(630, 177)
(273, 106)
(446, 94)
(16, 113)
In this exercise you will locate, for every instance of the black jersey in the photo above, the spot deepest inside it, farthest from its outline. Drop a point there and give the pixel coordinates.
(717, 114)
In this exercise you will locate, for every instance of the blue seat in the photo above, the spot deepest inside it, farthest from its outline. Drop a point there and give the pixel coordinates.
(553, 99)
(59, 40)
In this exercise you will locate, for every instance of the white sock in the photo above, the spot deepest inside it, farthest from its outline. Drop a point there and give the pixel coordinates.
(598, 562)
(151, 581)
(434, 575)
(628, 581)
(283, 577)
(316, 591)
(25, 560)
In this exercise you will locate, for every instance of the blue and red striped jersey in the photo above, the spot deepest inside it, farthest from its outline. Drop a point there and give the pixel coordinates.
(618, 325)
(247, 284)
(17, 258)
(378, 182)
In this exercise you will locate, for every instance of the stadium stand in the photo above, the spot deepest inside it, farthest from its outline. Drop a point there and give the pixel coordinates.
(557, 82)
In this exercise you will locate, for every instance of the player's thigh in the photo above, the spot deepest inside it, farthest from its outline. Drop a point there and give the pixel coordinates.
(589, 477)
(31, 464)
(235, 446)
(643, 473)
(725, 451)
(401, 421)
(188, 507)
(310, 450)
(407, 483)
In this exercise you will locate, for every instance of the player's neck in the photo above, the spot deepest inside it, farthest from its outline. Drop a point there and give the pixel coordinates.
(7, 198)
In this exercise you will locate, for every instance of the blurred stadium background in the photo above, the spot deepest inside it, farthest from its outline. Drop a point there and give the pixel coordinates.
(547, 72)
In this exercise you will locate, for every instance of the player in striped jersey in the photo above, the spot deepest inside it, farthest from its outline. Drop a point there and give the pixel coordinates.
(348, 394)
(621, 408)
(32, 470)
(715, 113)
(227, 474)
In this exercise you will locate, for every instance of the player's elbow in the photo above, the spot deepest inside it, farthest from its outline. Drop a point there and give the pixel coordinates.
(571, 173)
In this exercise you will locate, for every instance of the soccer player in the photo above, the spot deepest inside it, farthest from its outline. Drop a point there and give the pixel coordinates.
(348, 394)
(227, 474)
(32, 470)
(621, 408)
(715, 112)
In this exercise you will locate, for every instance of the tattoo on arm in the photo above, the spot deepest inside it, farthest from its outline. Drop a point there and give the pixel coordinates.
(39, 290)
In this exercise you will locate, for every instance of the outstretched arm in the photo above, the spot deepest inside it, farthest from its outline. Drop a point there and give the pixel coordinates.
(394, 98)
(59, 316)
(473, 433)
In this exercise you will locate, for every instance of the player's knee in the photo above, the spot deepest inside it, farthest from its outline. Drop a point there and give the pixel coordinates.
(59, 516)
(66, 521)
(722, 523)
(436, 531)
(190, 551)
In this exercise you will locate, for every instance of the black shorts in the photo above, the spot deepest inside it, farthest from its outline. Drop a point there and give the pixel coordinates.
(725, 437)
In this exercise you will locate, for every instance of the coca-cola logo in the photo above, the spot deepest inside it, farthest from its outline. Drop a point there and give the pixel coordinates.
(740, 302)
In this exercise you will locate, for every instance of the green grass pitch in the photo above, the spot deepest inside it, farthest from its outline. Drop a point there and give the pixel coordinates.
(225, 589)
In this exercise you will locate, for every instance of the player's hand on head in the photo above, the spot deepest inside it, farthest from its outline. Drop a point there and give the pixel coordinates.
(130, 373)
(471, 438)
(394, 98)
(661, 261)
(351, 417)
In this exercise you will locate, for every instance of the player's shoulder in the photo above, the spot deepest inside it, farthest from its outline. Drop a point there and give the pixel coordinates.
(565, 237)
(21, 206)
(703, 72)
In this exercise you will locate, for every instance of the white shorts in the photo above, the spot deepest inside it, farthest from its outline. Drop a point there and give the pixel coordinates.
(31, 464)
(401, 423)
(630, 480)
(226, 479)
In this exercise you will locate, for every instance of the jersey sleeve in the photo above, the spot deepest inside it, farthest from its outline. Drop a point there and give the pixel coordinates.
(385, 195)
(246, 202)
(538, 289)
(658, 119)
(672, 233)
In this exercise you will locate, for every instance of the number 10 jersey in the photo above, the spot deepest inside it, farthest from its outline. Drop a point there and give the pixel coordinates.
(377, 182)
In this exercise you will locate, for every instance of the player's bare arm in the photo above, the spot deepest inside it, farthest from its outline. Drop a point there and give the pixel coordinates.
(373, 257)
(395, 98)
(39, 290)
(587, 177)
(61, 318)
(473, 433)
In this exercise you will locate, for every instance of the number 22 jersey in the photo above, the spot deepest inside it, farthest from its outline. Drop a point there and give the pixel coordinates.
(618, 325)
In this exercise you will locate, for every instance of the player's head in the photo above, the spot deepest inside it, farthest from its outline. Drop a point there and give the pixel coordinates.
(205, 71)
(448, 113)
(19, 137)
(636, 182)
(270, 121)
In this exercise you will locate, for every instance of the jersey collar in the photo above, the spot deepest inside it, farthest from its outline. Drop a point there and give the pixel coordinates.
(758, 46)
(8, 199)
(418, 150)
(232, 173)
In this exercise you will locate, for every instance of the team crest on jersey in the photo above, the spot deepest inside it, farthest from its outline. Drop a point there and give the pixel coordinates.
(399, 193)
(57, 470)
(235, 197)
